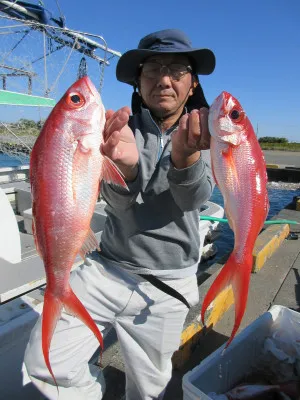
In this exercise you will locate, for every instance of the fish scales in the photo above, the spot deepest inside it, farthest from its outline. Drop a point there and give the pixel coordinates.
(66, 167)
(240, 172)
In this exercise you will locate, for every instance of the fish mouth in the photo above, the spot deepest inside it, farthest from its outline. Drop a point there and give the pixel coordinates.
(90, 86)
(216, 111)
(222, 103)
(219, 105)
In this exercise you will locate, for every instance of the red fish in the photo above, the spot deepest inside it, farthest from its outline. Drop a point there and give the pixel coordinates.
(251, 392)
(66, 168)
(240, 172)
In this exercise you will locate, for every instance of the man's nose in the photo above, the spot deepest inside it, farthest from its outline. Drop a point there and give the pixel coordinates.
(164, 80)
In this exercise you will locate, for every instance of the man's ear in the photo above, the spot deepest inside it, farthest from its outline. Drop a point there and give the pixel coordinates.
(137, 86)
(193, 86)
(195, 82)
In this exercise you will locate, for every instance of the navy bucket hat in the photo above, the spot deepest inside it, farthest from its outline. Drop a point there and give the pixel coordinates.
(165, 41)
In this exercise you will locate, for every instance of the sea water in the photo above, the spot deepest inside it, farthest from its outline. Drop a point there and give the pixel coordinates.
(280, 195)
(12, 161)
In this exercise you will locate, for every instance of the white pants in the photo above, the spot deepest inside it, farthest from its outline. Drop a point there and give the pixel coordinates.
(148, 323)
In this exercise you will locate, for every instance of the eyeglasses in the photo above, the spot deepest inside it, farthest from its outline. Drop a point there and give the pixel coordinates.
(152, 70)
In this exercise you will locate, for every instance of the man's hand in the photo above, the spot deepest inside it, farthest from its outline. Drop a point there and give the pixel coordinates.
(191, 136)
(119, 142)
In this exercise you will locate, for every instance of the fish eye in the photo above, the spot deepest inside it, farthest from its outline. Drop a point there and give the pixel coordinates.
(75, 100)
(234, 114)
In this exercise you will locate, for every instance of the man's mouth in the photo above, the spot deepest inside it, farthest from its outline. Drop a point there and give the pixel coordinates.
(163, 95)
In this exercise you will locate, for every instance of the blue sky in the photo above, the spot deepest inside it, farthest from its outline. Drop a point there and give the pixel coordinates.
(256, 43)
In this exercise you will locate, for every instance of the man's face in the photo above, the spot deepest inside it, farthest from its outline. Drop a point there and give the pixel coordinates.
(161, 90)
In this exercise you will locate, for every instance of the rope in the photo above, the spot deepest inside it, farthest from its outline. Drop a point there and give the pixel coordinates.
(16, 136)
(10, 26)
(45, 65)
(60, 11)
(82, 69)
(63, 68)
(10, 6)
(12, 32)
(102, 67)
(48, 53)
(65, 30)
(19, 7)
(102, 63)
(101, 76)
(15, 46)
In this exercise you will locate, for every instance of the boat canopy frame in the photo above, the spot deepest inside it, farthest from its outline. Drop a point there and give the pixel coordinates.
(40, 19)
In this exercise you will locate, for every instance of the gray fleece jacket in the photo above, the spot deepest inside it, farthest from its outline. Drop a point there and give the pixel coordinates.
(154, 227)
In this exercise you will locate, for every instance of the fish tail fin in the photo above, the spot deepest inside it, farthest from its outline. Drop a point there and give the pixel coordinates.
(51, 314)
(238, 277)
(74, 306)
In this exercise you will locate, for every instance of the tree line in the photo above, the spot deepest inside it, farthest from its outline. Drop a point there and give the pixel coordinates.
(271, 139)
(27, 123)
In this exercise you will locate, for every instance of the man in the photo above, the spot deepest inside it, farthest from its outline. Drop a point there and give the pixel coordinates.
(144, 279)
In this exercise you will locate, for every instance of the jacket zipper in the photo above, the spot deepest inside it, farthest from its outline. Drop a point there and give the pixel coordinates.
(160, 138)
(161, 146)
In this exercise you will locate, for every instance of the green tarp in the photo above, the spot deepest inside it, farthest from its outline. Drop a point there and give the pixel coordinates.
(19, 99)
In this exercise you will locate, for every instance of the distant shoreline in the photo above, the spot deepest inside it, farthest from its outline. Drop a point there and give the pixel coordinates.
(8, 147)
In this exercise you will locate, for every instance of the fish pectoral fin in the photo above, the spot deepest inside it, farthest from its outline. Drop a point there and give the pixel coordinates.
(111, 173)
(90, 244)
(84, 145)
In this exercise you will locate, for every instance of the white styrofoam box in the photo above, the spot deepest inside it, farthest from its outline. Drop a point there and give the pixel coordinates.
(27, 215)
(10, 245)
(24, 201)
(220, 372)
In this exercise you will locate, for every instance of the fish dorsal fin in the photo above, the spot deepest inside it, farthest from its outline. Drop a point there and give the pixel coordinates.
(111, 173)
(90, 244)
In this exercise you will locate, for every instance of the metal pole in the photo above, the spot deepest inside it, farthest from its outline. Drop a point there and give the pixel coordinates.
(29, 85)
